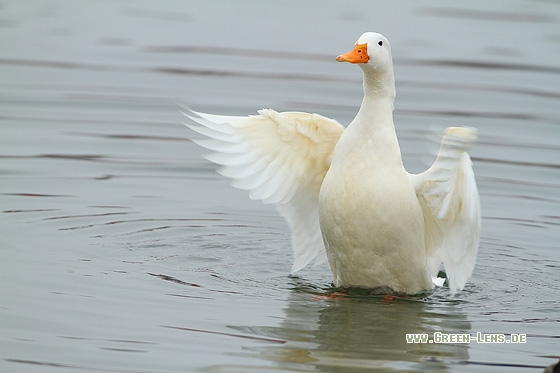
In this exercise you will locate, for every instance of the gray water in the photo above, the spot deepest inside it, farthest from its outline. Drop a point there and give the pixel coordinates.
(123, 251)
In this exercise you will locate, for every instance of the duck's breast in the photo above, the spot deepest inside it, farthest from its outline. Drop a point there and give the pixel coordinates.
(373, 227)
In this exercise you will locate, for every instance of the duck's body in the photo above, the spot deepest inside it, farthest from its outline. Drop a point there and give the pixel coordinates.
(374, 237)
(346, 194)
(372, 222)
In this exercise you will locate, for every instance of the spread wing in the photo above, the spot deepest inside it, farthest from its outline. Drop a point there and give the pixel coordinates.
(282, 159)
(450, 202)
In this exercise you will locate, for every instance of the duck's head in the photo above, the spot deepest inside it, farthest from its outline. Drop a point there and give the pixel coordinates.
(372, 51)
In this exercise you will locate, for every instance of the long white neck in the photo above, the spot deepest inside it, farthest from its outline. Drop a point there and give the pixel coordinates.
(373, 125)
(379, 84)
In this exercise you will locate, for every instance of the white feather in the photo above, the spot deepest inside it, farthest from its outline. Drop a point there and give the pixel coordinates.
(282, 159)
(449, 198)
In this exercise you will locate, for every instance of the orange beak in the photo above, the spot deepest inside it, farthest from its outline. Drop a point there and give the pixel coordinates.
(356, 55)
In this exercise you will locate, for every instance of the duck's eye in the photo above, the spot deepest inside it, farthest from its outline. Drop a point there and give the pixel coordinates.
(380, 43)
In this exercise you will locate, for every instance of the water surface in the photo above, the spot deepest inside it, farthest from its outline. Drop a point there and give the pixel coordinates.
(123, 251)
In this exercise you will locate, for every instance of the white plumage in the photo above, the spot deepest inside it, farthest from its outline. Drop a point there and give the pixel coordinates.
(345, 193)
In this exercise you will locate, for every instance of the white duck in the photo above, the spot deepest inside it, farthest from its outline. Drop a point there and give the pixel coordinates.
(345, 192)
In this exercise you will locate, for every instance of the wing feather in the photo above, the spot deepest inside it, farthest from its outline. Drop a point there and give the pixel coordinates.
(282, 159)
(450, 202)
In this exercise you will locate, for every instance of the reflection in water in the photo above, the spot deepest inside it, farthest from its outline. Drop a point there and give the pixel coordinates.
(353, 333)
